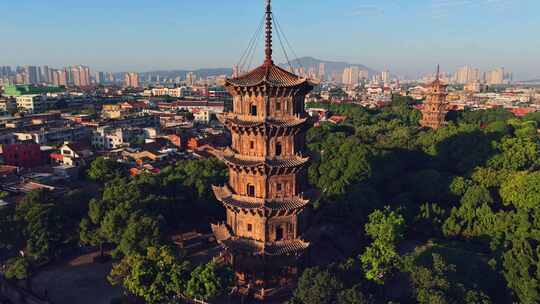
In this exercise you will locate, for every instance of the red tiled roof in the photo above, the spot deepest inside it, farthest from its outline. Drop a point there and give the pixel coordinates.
(56, 156)
(520, 112)
(337, 119)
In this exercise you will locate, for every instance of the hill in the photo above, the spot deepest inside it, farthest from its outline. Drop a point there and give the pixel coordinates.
(330, 66)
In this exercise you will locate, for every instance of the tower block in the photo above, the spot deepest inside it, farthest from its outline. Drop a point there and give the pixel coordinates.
(264, 197)
(435, 106)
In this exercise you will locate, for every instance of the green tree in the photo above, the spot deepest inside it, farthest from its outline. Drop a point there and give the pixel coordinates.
(353, 296)
(10, 234)
(516, 154)
(343, 162)
(209, 281)
(386, 228)
(474, 216)
(43, 224)
(432, 284)
(158, 277)
(318, 286)
(140, 233)
(104, 170)
(522, 269)
(386, 225)
(522, 190)
(18, 268)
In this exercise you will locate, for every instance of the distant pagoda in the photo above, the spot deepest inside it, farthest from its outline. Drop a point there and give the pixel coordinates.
(435, 106)
(264, 197)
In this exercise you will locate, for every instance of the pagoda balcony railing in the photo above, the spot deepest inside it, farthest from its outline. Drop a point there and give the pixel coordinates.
(261, 119)
(226, 191)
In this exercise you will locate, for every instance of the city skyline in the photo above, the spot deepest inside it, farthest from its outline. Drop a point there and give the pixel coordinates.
(407, 40)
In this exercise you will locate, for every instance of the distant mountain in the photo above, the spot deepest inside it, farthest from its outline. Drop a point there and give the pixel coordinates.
(331, 67)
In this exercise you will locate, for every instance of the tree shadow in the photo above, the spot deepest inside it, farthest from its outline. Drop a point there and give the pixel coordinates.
(461, 153)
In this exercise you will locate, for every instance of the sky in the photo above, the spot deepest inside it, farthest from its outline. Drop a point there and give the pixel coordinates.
(408, 37)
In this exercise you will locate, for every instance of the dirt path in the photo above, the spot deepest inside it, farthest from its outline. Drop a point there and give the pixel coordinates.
(78, 280)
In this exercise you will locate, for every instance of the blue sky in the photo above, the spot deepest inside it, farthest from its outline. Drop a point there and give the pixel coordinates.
(406, 36)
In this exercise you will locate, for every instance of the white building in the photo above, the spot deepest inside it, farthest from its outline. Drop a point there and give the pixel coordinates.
(32, 103)
(108, 138)
(203, 116)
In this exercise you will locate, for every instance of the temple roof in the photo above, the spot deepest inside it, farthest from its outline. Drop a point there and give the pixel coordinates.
(270, 74)
(221, 231)
(236, 159)
(272, 249)
(282, 123)
(225, 195)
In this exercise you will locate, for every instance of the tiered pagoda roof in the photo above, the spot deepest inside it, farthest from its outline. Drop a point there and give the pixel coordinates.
(267, 74)
(234, 159)
(438, 83)
(225, 195)
(269, 249)
(238, 121)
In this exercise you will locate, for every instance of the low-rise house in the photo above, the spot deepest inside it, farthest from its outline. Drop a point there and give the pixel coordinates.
(75, 153)
(32, 103)
(25, 155)
(202, 116)
(108, 138)
(55, 134)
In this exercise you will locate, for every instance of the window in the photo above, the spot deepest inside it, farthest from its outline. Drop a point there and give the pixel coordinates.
(279, 233)
(278, 149)
(252, 145)
(249, 227)
(253, 110)
(278, 106)
(279, 187)
(251, 190)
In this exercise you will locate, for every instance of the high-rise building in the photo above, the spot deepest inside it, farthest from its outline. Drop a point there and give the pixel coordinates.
(467, 74)
(385, 76)
(191, 78)
(110, 77)
(351, 76)
(265, 195)
(32, 75)
(100, 77)
(322, 71)
(363, 74)
(131, 80)
(495, 77)
(59, 77)
(5, 71)
(435, 106)
(79, 76)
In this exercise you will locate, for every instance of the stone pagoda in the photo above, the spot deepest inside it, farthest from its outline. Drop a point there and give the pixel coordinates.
(265, 195)
(435, 106)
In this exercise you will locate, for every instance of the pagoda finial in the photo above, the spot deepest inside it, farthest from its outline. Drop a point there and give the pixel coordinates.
(268, 49)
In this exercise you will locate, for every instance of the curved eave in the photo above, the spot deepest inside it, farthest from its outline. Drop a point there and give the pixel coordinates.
(224, 195)
(267, 163)
(271, 249)
(272, 84)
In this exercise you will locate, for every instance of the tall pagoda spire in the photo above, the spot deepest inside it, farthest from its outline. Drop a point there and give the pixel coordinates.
(435, 106)
(268, 46)
(267, 191)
